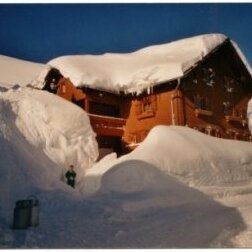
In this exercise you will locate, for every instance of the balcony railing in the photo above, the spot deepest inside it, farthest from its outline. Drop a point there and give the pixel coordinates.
(204, 112)
(107, 126)
(238, 119)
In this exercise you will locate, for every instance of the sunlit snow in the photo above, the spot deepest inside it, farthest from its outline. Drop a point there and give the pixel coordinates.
(147, 199)
(18, 72)
(178, 189)
(136, 71)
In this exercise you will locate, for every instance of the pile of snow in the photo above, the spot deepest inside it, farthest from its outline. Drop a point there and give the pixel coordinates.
(133, 202)
(171, 172)
(136, 71)
(249, 115)
(18, 72)
(40, 136)
(151, 209)
(150, 198)
(194, 158)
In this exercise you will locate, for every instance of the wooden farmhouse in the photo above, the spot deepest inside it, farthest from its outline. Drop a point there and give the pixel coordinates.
(211, 96)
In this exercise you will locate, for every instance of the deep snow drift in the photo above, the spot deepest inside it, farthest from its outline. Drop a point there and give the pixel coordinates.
(249, 115)
(141, 200)
(191, 156)
(15, 71)
(41, 135)
(178, 189)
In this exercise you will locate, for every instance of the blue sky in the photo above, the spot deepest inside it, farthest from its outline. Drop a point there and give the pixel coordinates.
(40, 32)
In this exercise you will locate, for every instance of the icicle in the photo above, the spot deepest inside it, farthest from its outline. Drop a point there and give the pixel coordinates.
(178, 83)
(148, 90)
(151, 87)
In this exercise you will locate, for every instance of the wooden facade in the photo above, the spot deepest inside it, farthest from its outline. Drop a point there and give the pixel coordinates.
(211, 97)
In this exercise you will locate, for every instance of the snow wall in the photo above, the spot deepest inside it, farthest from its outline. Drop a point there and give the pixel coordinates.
(190, 156)
(40, 136)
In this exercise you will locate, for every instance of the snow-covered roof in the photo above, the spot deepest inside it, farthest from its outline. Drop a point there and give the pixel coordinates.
(139, 70)
(15, 71)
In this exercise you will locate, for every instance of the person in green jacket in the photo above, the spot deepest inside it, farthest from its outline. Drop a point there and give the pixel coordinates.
(70, 175)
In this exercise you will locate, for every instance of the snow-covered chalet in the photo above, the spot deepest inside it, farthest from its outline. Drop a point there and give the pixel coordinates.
(203, 82)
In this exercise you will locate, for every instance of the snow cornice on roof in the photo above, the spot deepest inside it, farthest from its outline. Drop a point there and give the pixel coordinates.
(140, 70)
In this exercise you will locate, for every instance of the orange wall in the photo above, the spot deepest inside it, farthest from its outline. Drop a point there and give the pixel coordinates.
(139, 124)
(68, 91)
(174, 102)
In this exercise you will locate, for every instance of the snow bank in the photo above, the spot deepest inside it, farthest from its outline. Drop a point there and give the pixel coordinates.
(40, 135)
(147, 198)
(136, 202)
(137, 177)
(193, 157)
(15, 71)
(58, 127)
(151, 209)
(249, 115)
(136, 71)
(196, 158)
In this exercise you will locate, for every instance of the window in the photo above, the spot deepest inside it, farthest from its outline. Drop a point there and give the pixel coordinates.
(146, 107)
(104, 109)
(147, 104)
(208, 76)
(202, 102)
(227, 108)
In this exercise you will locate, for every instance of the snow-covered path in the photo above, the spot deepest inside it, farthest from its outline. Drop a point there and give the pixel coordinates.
(170, 216)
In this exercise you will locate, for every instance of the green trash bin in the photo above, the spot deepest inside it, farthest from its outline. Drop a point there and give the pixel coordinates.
(34, 211)
(22, 214)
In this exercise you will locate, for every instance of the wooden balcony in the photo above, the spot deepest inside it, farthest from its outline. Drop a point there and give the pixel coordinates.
(236, 119)
(107, 126)
(203, 112)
